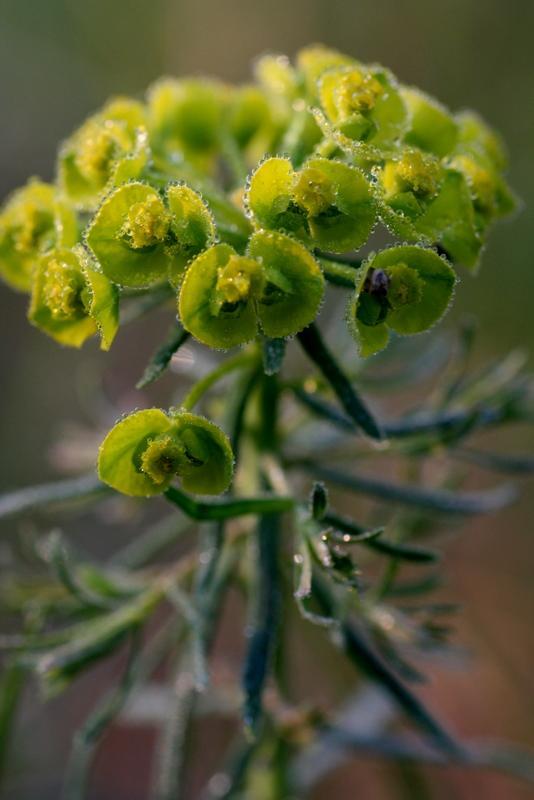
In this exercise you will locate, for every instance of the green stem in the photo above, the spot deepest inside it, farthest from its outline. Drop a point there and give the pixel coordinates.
(339, 258)
(224, 508)
(339, 274)
(204, 384)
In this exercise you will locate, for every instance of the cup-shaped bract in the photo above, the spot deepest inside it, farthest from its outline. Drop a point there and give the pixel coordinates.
(312, 62)
(146, 450)
(364, 103)
(293, 284)
(110, 144)
(34, 220)
(276, 286)
(217, 297)
(252, 121)
(71, 301)
(277, 77)
(192, 228)
(406, 289)
(432, 127)
(422, 200)
(140, 237)
(185, 118)
(476, 137)
(480, 156)
(327, 204)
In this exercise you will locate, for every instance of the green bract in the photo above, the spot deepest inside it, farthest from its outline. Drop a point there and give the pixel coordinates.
(404, 289)
(185, 119)
(313, 62)
(432, 126)
(423, 200)
(277, 286)
(33, 221)
(326, 203)
(109, 147)
(147, 450)
(71, 301)
(140, 237)
(364, 104)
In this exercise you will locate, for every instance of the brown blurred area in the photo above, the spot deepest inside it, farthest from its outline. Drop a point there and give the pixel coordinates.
(59, 60)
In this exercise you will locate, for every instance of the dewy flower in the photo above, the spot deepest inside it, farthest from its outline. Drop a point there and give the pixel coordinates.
(33, 221)
(405, 289)
(110, 145)
(364, 104)
(241, 197)
(185, 119)
(326, 203)
(423, 200)
(72, 301)
(144, 452)
(139, 236)
(276, 287)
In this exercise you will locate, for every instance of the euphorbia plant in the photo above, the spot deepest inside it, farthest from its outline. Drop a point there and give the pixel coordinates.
(241, 209)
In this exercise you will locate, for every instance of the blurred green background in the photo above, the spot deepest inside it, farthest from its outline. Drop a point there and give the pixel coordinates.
(60, 59)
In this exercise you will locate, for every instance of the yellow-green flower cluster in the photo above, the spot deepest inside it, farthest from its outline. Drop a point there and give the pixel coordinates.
(236, 197)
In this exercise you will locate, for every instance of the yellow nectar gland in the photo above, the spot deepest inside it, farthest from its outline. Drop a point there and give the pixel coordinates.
(147, 223)
(405, 286)
(314, 191)
(62, 291)
(414, 173)
(96, 149)
(161, 459)
(234, 281)
(34, 222)
(479, 179)
(357, 93)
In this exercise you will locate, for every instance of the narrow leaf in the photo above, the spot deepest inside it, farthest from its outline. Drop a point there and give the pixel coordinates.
(319, 501)
(161, 359)
(33, 498)
(87, 738)
(405, 552)
(273, 355)
(438, 500)
(95, 639)
(264, 625)
(498, 462)
(313, 345)
(361, 654)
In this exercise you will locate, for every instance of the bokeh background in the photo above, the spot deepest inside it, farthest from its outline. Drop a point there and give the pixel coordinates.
(59, 60)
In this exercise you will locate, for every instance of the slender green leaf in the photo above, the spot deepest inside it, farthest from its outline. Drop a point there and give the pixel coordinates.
(154, 541)
(313, 345)
(12, 683)
(87, 738)
(33, 498)
(274, 351)
(95, 639)
(57, 555)
(319, 501)
(498, 462)
(161, 359)
(265, 621)
(404, 552)
(438, 500)
(361, 654)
